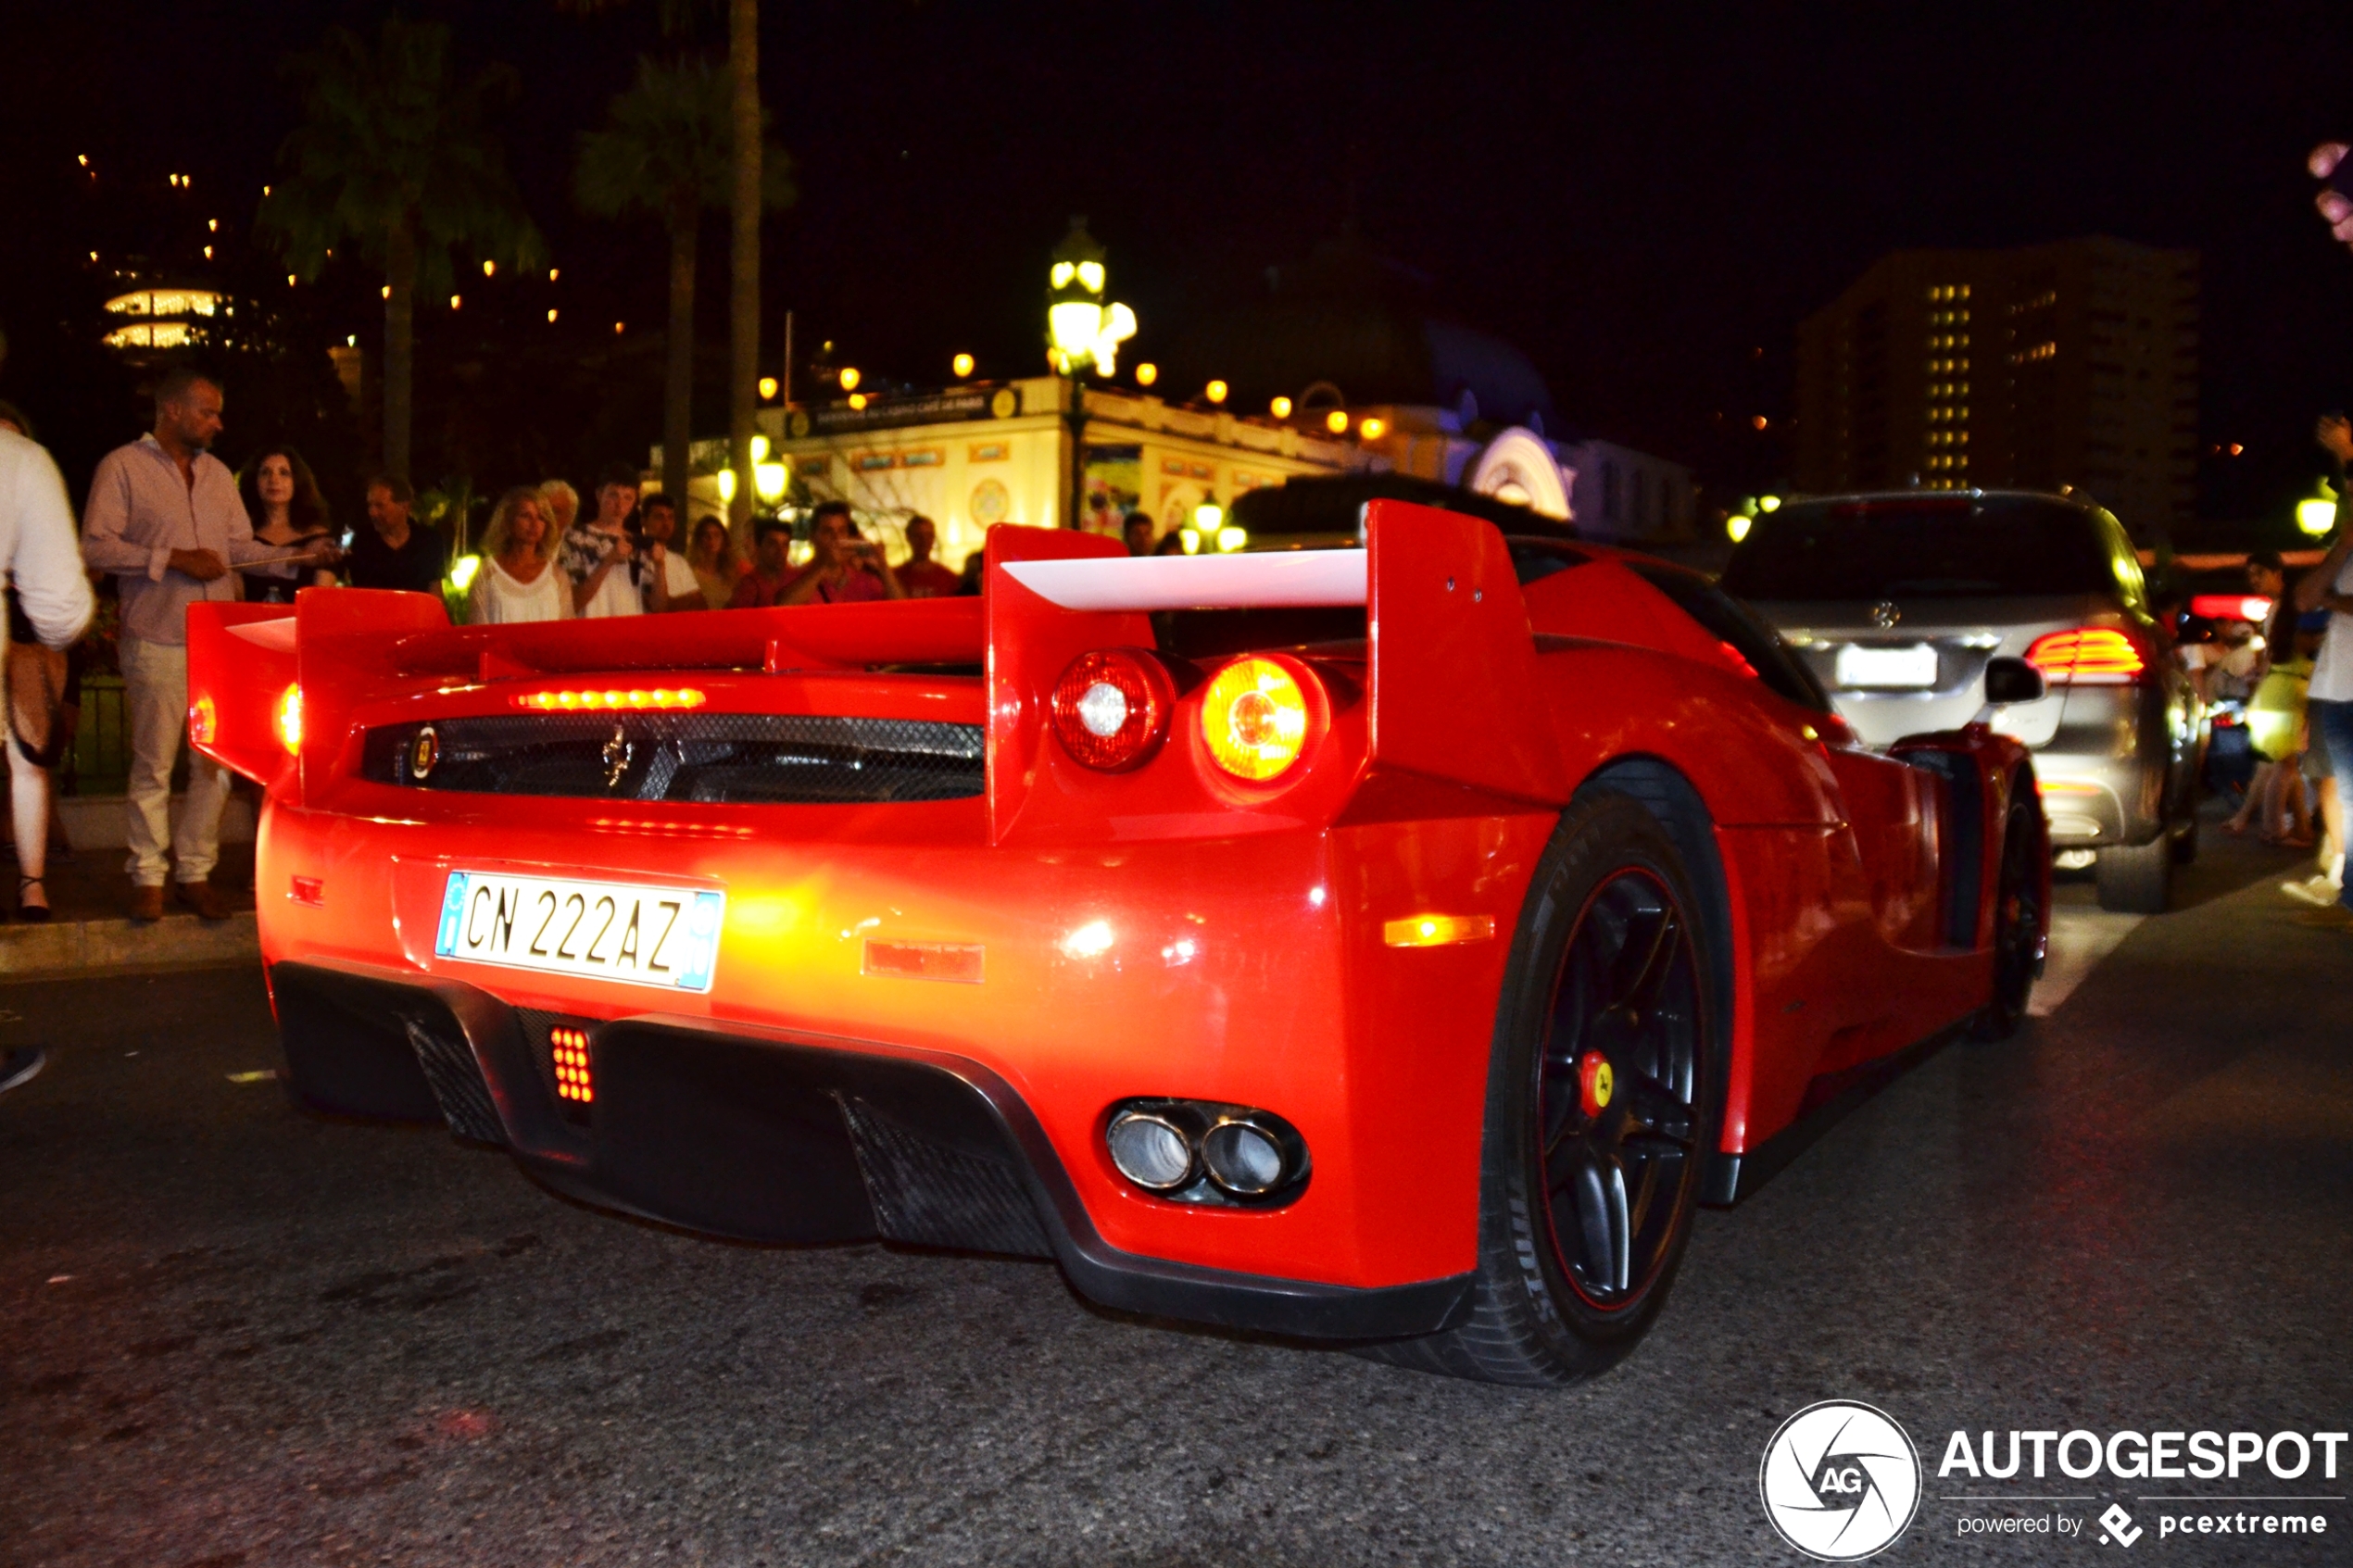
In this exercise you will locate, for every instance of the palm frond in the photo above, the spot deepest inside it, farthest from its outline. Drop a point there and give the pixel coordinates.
(667, 148)
(391, 138)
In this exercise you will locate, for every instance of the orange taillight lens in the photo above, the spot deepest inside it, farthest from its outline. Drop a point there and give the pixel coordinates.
(1109, 709)
(2087, 655)
(568, 1048)
(1254, 718)
(204, 721)
(608, 698)
(289, 719)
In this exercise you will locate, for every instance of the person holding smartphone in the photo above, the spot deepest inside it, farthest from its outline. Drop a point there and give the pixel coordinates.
(846, 569)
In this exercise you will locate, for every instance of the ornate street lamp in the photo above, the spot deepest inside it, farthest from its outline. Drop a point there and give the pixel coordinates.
(1084, 329)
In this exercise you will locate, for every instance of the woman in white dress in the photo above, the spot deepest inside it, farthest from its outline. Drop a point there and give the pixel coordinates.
(519, 579)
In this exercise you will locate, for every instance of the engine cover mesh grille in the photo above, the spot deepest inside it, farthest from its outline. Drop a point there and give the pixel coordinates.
(735, 758)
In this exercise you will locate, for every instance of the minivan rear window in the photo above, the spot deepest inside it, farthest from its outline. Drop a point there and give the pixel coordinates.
(1935, 547)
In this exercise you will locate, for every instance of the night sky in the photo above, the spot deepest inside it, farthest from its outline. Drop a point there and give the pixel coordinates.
(1646, 213)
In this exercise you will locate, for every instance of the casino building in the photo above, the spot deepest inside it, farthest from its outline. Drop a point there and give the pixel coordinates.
(1342, 366)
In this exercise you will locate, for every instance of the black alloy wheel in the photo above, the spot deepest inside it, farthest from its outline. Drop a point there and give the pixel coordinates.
(1617, 1086)
(2020, 923)
(1605, 1093)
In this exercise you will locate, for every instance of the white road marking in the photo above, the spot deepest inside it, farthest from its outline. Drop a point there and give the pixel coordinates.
(2080, 939)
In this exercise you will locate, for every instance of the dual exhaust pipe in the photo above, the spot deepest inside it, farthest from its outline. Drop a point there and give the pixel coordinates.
(1203, 1151)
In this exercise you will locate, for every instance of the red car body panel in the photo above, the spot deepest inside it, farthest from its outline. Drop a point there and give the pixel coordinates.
(1169, 931)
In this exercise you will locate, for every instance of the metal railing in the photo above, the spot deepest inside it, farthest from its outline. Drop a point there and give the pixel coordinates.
(101, 759)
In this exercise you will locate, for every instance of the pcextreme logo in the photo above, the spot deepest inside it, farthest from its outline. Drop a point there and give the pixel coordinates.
(1840, 1480)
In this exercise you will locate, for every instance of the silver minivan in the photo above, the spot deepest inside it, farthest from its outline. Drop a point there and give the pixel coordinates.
(1897, 600)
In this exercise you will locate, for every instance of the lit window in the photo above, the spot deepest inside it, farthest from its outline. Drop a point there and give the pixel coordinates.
(162, 334)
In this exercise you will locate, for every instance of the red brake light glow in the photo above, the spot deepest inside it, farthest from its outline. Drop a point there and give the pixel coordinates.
(2251, 608)
(608, 699)
(2087, 656)
(289, 720)
(569, 1047)
(1111, 707)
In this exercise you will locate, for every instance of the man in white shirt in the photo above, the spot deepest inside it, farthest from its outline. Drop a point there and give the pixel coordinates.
(164, 519)
(2328, 706)
(670, 581)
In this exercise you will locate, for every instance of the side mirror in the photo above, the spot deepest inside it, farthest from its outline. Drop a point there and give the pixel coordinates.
(2012, 681)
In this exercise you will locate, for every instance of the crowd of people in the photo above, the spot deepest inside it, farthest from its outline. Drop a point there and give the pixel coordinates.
(626, 559)
(167, 524)
(2293, 683)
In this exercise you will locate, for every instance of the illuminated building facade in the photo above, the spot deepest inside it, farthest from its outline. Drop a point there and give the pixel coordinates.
(972, 456)
(2072, 365)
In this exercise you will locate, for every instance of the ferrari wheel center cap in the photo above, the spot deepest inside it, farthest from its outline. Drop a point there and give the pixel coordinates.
(1595, 1082)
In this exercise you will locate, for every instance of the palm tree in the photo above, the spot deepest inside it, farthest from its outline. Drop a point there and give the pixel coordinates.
(746, 203)
(667, 151)
(393, 156)
(743, 373)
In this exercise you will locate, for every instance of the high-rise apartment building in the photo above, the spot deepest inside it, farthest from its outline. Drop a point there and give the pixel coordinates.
(2068, 365)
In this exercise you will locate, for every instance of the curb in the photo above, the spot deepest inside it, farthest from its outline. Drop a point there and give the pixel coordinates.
(80, 947)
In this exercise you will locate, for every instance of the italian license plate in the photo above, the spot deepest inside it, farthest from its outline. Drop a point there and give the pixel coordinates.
(1913, 666)
(666, 937)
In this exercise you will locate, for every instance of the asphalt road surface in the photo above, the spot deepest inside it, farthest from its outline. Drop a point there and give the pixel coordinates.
(239, 1335)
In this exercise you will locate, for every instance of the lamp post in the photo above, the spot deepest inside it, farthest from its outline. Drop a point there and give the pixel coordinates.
(2316, 515)
(1084, 329)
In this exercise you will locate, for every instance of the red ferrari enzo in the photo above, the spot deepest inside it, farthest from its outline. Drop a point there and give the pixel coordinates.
(1390, 946)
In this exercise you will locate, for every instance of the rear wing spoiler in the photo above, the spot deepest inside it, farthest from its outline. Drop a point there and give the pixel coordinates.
(1450, 655)
(1449, 651)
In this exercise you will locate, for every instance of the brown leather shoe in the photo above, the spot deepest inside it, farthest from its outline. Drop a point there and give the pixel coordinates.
(202, 898)
(146, 903)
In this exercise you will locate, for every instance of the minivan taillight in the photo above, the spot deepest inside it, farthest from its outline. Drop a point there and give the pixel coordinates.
(2087, 656)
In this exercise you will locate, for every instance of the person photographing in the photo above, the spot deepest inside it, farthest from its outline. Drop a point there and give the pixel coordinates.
(846, 569)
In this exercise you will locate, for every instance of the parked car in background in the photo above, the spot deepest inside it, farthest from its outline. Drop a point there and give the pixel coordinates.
(1897, 602)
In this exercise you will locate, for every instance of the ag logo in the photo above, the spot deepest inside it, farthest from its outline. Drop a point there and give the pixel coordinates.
(1840, 1480)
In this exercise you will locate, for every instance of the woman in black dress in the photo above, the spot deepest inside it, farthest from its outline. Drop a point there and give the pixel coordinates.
(288, 513)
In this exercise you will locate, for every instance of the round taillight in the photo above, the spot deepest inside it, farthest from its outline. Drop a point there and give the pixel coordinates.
(1111, 707)
(1254, 718)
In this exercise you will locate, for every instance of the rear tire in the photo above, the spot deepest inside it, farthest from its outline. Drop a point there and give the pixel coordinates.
(2137, 878)
(2019, 925)
(1589, 1178)
(2185, 842)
